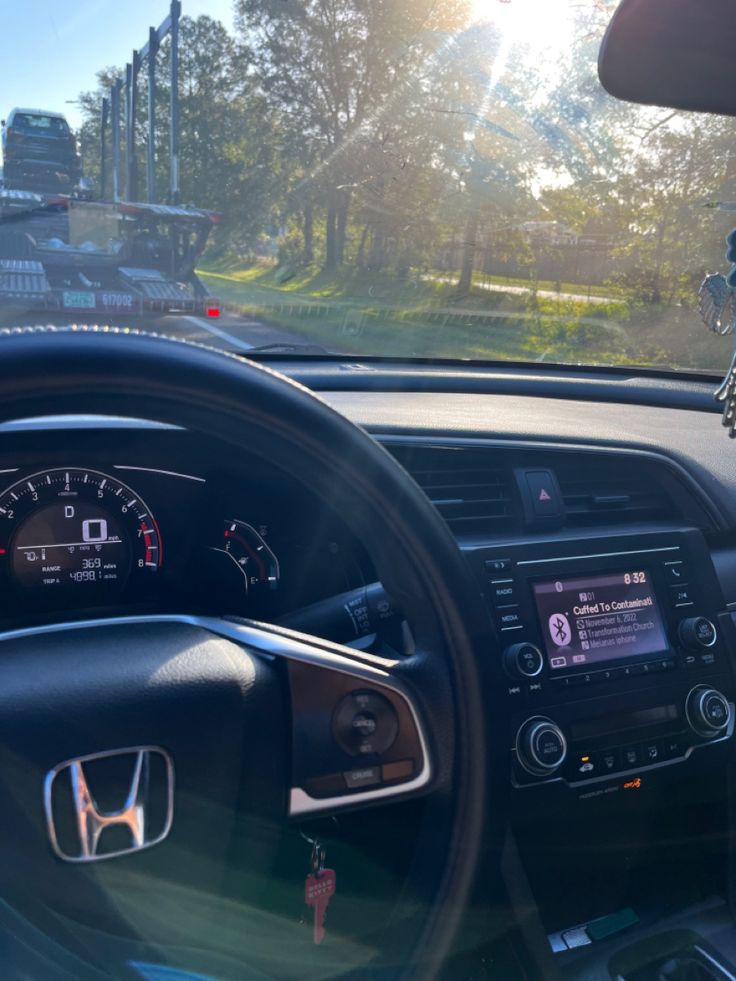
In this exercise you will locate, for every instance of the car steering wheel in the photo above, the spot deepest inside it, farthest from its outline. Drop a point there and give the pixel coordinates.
(241, 713)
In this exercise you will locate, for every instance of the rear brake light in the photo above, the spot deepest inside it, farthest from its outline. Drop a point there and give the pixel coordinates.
(213, 311)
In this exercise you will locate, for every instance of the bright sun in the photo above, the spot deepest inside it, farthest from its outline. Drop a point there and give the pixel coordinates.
(541, 24)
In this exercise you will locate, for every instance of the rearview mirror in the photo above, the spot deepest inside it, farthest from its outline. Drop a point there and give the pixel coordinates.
(675, 53)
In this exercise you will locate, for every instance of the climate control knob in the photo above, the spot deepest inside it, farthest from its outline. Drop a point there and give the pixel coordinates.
(697, 633)
(707, 711)
(523, 661)
(541, 746)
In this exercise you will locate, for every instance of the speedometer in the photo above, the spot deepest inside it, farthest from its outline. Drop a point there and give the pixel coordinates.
(76, 529)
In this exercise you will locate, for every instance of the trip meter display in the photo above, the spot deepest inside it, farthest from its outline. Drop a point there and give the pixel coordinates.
(74, 529)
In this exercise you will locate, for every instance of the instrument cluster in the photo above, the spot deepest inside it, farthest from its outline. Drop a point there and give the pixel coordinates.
(97, 528)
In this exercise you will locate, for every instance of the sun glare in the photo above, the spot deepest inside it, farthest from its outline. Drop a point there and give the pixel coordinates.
(542, 25)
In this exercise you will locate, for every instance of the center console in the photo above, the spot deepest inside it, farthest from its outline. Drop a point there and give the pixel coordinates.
(615, 656)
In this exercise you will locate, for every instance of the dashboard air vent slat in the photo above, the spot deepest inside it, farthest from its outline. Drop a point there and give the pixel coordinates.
(467, 486)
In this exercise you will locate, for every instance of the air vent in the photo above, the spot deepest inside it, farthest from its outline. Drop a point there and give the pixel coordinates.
(472, 493)
(612, 491)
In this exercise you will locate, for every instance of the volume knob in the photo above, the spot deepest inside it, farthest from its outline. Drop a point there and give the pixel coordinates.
(523, 661)
(708, 711)
(541, 746)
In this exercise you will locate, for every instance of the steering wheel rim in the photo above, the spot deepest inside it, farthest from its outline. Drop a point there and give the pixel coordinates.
(257, 410)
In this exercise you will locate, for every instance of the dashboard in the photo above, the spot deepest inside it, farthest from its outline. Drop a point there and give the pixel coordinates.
(97, 520)
(603, 542)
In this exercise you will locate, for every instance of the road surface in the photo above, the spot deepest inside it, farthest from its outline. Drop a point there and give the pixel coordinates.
(229, 332)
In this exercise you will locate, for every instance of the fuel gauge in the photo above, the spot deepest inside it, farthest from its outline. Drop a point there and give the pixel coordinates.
(248, 557)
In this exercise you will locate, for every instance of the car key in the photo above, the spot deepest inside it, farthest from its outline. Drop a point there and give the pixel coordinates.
(318, 891)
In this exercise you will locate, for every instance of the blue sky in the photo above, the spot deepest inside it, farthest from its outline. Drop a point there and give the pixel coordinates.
(53, 48)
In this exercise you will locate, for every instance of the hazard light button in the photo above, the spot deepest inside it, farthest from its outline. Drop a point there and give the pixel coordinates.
(544, 492)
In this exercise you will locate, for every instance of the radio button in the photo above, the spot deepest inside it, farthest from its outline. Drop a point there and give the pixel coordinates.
(695, 633)
(503, 592)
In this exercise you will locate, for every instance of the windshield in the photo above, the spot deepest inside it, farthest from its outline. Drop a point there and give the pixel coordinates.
(406, 178)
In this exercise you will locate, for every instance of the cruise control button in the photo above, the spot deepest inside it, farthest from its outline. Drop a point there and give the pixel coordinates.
(366, 776)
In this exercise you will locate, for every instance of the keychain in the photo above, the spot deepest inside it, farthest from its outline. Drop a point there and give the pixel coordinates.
(717, 306)
(319, 888)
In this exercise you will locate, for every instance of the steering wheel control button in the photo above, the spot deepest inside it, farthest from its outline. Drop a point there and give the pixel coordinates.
(367, 776)
(697, 633)
(523, 661)
(365, 723)
(708, 711)
(541, 747)
(400, 770)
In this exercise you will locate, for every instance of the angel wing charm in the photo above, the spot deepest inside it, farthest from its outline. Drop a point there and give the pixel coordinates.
(717, 304)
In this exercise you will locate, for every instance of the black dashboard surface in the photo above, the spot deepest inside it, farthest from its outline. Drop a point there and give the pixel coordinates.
(695, 439)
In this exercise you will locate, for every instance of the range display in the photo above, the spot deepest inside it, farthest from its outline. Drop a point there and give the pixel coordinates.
(599, 618)
(74, 529)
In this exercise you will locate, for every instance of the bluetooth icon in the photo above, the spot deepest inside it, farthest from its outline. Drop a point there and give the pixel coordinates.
(559, 629)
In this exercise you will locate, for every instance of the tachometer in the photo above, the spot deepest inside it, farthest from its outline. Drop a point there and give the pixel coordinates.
(76, 529)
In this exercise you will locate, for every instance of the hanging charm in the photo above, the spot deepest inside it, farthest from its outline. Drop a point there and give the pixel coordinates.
(717, 306)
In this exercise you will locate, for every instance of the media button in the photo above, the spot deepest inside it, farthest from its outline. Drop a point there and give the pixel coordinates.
(509, 619)
(631, 670)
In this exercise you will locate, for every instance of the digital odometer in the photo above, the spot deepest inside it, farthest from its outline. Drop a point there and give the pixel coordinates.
(76, 529)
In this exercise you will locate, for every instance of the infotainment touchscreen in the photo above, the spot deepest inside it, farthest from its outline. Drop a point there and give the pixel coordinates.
(599, 618)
